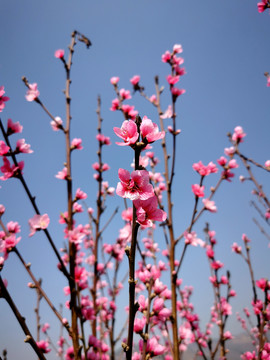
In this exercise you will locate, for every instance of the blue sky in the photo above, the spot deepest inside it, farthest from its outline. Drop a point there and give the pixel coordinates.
(226, 54)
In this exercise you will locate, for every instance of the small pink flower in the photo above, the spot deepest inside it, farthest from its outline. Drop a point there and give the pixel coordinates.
(209, 205)
(236, 248)
(229, 151)
(172, 80)
(57, 123)
(216, 265)
(4, 149)
(262, 6)
(104, 140)
(114, 80)
(128, 132)
(198, 190)
(45, 327)
(13, 227)
(168, 113)
(80, 195)
(166, 57)
(227, 335)
(76, 144)
(177, 49)
(153, 99)
(149, 131)
(135, 80)
(177, 92)
(59, 54)
(245, 238)
(125, 94)
(191, 238)
(267, 164)
(13, 128)
(10, 171)
(129, 111)
(227, 175)
(2, 209)
(135, 185)
(147, 211)
(127, 214)
(238, 134)
(139, 325)
(38, 222)
(115, 104)
(222, 161)
(44, 346)
(32, 92)
(3, 98)
(22, 147)
(62, 175)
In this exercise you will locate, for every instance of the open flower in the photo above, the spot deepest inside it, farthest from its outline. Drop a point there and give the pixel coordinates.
(150, 131)
(3, 98)
(128, 132)
(32, 92)
(10, 170)
(135, 185)
(147, 211)
(38, 222)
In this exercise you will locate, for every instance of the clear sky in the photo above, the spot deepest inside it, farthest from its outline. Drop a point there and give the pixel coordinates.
(226, 52)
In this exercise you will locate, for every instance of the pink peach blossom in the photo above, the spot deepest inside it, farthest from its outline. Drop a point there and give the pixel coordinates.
(3, 98)
(166, 57)
(128, 132)
(238, 134)
(222, 161)
(139, 325)
(104, 140)
(22, 147)
(45, 327)
(267, 164)
(32, 92)
(135, 80)
(168, 113)
(62, 175)
(177, 92)
(115, 104)
(209, 205)
(57, 123)
(262, 6)
(59, 54)
(229, 151)
(4, 149)
(2, 209)
(114, 80)
(236, 248)
(10, 170)
(135, 185)
(13, 128)
(153, 99)
(44, 346)
(204, 170)
(192, 239)
(38, 222)
(125, 94)
(147, 211)
(80, 195)
(172, 80)
(127, 214)
(149, 131)
(198, 190)
(76, 144)
(177, 49)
